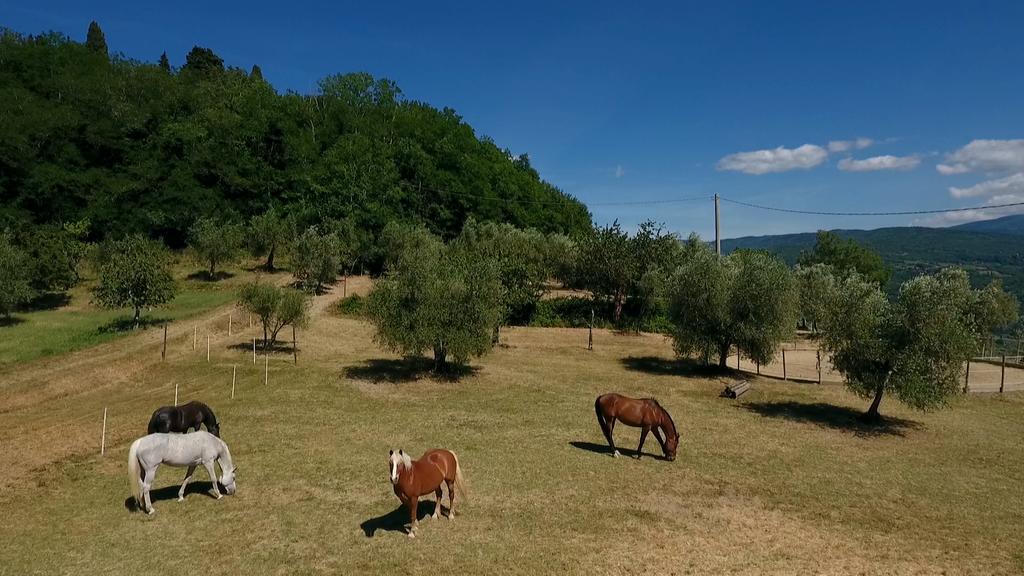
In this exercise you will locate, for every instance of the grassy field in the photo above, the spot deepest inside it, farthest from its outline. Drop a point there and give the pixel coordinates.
(74, 322)
(784, 481)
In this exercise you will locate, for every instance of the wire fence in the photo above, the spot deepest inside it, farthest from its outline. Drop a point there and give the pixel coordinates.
(803, 362)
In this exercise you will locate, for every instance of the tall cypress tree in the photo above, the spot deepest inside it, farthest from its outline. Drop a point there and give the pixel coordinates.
(256, 72)
(95, 40)
(165, 64)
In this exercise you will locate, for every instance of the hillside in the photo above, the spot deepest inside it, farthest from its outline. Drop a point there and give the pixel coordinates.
(1006, 225)
(140, 147)
(915, 250)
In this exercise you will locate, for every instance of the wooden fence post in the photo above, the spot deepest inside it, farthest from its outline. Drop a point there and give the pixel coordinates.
(737, 357)
(295, 345)
(234, 372)
(590, 337)
(253, 350)
(967, 376)
(195, 335)
(757, 364)
(103, 435)
(163, 352)
(175, 393)
(1002, 374)
(229, 323)
(207, 347)
(819, 366)
(784, 364)
(266, 369)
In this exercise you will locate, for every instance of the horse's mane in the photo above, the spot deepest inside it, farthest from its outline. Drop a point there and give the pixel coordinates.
(404, 459)
(667, 415)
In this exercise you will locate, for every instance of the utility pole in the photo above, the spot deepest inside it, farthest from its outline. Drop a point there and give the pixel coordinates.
(718, 234)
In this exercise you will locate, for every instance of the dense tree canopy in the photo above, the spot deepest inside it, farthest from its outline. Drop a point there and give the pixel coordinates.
(141, 148)
(135, 273)
(15, 276)
(846, 256)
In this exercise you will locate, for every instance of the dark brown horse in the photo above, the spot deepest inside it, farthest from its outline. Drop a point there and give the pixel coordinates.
(415, 478)
(644, 413)
(182, 418)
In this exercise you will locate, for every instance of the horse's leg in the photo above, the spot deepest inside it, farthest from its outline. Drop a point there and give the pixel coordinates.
(188, 476)
(611, 442)
(451, 499)
(147, 483)
(437, 504)
(643, 436)
(413, 502)
(212, 471)
(657, 435)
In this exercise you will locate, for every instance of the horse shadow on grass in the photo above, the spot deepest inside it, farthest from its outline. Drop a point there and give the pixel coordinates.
(607, 450)
(396, 520)
(171, 493)
(676, 367)
(834, 417)
(397, 371)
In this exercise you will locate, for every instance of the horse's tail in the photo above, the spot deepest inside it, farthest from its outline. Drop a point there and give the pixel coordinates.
(134, 472)
(602, 421)
(460, 483)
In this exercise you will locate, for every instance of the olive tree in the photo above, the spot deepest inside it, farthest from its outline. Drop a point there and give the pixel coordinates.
(315, 259)
(269, 233)
(276, 308)
(747, 299)
(913, 347)
(215, 243)
(135, 273)
(816, 285)
(434, 297)
(15, 276)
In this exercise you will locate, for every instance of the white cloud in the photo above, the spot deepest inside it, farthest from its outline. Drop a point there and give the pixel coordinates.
(954, 218)
(985, 156)
(879, 163)
(779, 159)
(1013, 184)
(620, 171)
(847, 145)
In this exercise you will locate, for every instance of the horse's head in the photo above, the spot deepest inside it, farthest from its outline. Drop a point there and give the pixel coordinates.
(227, 479)
(671, 445)
(396, 462)
(214, 429)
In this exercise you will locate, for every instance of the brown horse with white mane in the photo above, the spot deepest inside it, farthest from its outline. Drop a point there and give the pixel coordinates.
(644, 413)
(415, 478)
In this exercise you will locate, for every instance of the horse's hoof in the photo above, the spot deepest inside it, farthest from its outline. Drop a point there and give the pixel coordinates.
(412, 534)
(151, 511)
(181, 498)
(615, 454)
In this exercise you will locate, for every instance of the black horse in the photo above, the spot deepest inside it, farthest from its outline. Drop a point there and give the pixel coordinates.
(182, 418)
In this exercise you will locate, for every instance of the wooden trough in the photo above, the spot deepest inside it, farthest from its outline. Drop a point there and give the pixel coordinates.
(735, 389)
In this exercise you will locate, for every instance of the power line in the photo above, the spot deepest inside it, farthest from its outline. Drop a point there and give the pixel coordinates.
(896, 213)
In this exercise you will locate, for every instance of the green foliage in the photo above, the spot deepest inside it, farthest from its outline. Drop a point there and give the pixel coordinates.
(216, 243)
(268, 234)
(315, 259)
(95, 40)
(15, 275)
(747, 299)
(54, 255)
(276, 308)
(164, 63)
(354, 305)
(135, 273)
(142, 148)
(561, 254)
(256, 72)
(435, 297)
(914, 347)
(846, 256)
(816, 286)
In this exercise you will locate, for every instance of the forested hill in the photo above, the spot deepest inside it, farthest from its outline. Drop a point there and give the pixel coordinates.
(141, 147)
(913, 250)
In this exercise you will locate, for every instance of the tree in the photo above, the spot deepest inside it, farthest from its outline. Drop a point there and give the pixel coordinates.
(268, 233)
(54, 254)
(15, 271)
(95, 40)
(747, 299)
(216, 243)
(165, 64)
(914, 347)
(434, 297)
(256, 72)
(846, 256)
(315, 259)
(203, 61)
(135, 273)
(275, 307)
(816, 286)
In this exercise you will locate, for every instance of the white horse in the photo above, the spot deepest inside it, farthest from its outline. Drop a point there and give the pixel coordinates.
(149, 452)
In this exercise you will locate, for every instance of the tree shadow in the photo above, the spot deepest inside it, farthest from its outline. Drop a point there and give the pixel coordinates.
(834, 417)
(279, 346)
(47, 301)
(607, 450)
(10, 321)
(127, 324)
(171, 493)
(676, 367)
(396, 520)
(396, 371)
(204, 276)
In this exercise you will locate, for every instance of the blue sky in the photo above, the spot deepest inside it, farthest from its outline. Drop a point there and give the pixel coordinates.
(617, 101)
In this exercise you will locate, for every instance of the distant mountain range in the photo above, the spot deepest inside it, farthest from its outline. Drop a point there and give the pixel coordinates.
(987, 249)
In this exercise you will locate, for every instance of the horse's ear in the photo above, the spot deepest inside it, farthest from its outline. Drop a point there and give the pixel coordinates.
(401, 452)
(391, 452)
